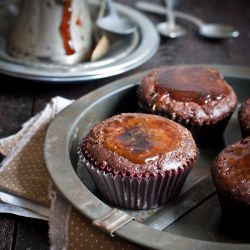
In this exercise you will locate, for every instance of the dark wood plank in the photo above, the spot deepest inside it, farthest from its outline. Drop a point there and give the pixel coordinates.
(15, 108)
(16, 104)
(31, 234)
(71, 91)
(7, 231)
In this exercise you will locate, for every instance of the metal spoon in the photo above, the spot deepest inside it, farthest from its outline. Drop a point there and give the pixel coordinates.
(170, 28)
(114, 23)
(214, 30)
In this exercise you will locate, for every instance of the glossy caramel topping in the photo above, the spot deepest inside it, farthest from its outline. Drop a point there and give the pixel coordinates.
(239, 161)
(191, 84)
(65, 27)
(141, 139)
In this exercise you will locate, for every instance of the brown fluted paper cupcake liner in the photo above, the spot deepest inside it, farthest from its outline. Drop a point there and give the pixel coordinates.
(137, 192)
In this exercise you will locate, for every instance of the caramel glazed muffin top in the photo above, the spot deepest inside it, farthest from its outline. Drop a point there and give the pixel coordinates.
(231, 171)
(195, 94)
(139, 144)
(244, 116)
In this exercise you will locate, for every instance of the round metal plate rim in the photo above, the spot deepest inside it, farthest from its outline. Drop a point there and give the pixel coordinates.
(56, 150)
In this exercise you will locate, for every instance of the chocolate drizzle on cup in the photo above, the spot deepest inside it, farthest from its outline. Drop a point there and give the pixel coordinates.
(65, 28)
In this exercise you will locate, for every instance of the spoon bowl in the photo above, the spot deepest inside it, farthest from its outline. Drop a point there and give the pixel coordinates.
(218, 31)
(115, 23)
(170, 28)
(174, 32)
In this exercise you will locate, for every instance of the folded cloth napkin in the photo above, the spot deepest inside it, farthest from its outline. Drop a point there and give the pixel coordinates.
(24, 183)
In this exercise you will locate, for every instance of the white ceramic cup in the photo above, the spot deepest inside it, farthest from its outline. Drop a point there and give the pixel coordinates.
(56, 30)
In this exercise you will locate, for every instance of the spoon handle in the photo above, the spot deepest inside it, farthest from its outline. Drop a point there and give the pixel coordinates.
(111, 8)
(170, 14)
(158, 9)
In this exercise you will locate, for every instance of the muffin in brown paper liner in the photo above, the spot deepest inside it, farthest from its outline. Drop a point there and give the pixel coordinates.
(231, 176)
(143, 185)
(196, 97)
(244, 118)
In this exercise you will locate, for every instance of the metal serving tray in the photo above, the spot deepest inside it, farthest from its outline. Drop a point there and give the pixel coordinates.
(191, 221)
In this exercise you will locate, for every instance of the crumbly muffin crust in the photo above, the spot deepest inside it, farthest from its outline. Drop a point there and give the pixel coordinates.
(196, 94)
(140, 144)
(244, 117)
(231, 172)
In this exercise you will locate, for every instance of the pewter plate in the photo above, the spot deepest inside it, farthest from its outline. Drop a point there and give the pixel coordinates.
(126, 52)
(191, 221)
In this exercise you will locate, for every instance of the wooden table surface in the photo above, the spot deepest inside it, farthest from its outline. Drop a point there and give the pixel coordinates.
(20, 99)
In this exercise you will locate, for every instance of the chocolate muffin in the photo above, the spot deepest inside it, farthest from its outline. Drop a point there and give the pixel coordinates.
(138, 161)
(196, 97)
(231, 175)
(244, 118)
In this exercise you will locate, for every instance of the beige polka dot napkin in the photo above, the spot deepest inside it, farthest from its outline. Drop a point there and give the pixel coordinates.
(71, 230)
(23, 174)
(23, 171)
